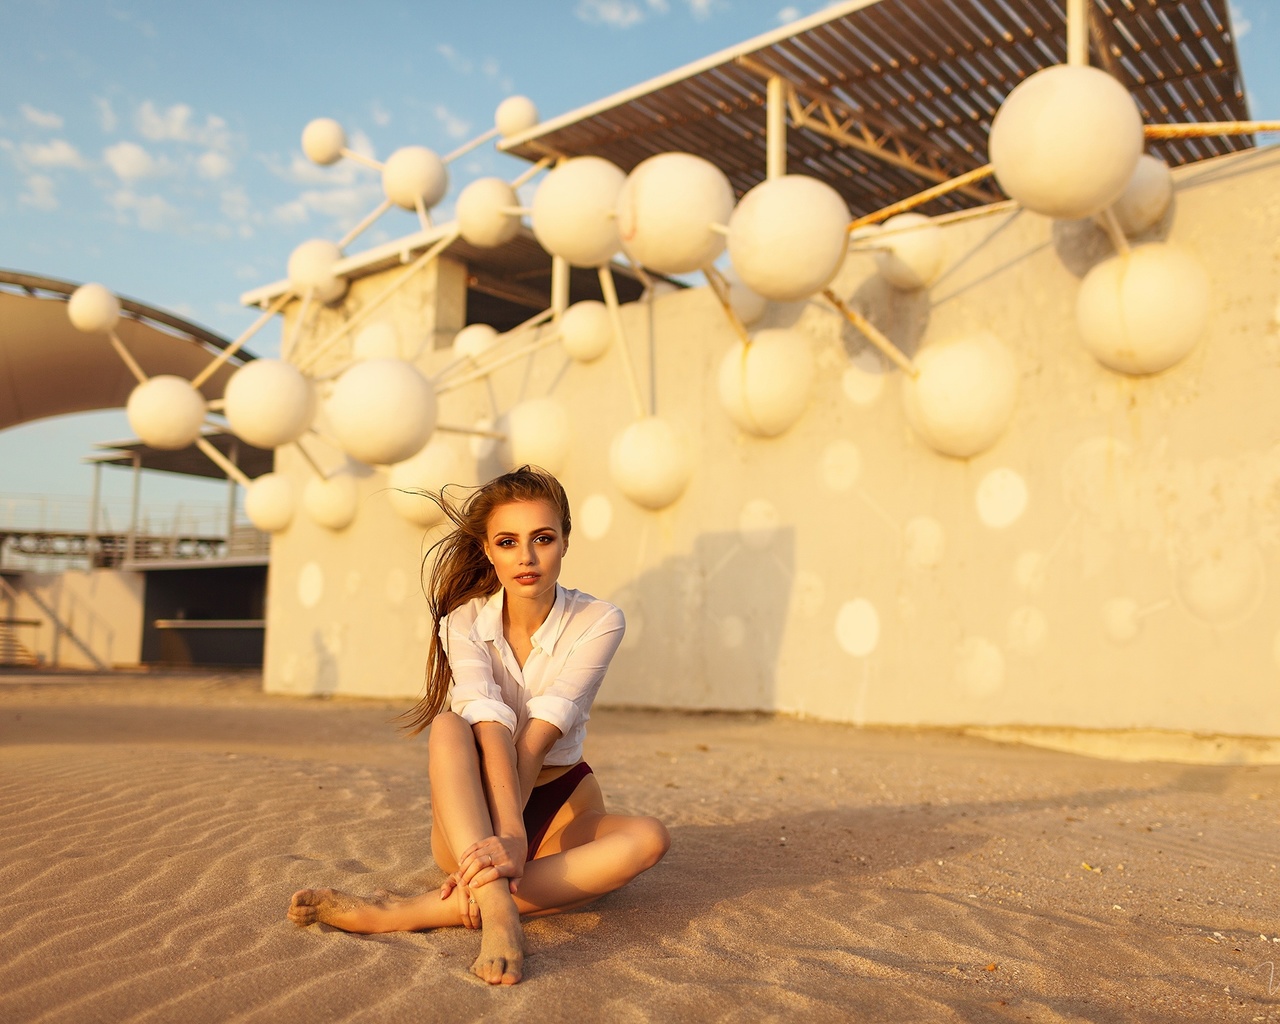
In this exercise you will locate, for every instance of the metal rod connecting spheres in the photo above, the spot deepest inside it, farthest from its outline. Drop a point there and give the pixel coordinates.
(873, 335)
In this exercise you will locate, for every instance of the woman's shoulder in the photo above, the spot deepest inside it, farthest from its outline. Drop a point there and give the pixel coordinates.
(579, 605)
(466, 615)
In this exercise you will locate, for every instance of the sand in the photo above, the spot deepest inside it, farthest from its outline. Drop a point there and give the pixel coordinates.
(153, 828)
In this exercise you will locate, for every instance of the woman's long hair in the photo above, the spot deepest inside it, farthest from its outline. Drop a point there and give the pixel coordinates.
(461, 571)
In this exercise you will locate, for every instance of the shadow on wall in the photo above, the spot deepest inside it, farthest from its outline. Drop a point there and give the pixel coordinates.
(707, 624)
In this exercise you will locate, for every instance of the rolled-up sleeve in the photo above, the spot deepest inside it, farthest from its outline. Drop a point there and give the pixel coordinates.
(476, 695)
(566, 703)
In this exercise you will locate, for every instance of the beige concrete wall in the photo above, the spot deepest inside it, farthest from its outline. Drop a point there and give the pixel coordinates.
(88, 619)
(1158, 495)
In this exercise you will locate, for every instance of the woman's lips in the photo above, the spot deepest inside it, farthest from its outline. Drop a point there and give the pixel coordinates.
(528, 577)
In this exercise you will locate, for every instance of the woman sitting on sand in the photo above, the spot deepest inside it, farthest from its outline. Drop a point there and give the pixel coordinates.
(518, 820)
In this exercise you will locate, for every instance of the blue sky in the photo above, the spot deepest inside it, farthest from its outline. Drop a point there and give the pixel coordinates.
(155, 146)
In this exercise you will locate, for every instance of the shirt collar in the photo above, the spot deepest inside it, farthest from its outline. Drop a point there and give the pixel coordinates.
(488, 624)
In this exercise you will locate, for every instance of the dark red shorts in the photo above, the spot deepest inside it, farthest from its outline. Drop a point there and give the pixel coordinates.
(545, 801)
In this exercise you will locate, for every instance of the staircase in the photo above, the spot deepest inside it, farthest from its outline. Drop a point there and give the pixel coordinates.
(12, 650)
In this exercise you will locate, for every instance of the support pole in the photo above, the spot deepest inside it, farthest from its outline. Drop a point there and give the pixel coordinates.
(874, 335)
(232, 485)
(132, 543)
(620, 339)
(776, 127)
(91, 538)
(559, 286)
(1077, 33)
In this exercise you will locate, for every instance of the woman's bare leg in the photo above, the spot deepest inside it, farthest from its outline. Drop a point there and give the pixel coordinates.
(460, 817)
(586, 854)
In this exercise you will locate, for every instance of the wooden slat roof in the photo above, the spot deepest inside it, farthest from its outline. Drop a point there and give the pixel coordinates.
(892, 96)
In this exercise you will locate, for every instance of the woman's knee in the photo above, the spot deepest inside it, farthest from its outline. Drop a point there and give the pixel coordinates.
(652, 841)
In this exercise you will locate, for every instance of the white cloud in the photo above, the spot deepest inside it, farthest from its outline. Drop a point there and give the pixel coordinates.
(702, 9)
(454, 59)
(42, 118)
(130, 161)
(151, 213)
(176, 125)
(107, 119)
(454, 126)
(343, 206)
(614, 13)
(55, 153)
(39, 193)
(788, 14)
(1240, 24)
(381, 116)
(235, 204)
(213, 165)
(490, 67)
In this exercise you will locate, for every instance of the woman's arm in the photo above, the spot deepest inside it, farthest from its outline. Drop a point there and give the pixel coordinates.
(535, 739)
(505, 851)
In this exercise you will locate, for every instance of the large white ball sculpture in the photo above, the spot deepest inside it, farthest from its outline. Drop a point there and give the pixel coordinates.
(414, 173)
(963, 398)
(765, 385)
(586, 330)
(514, 115)
(166, 412)
(269, 502)
(1142, 312)
(474, 340)
(483, 213)
(332, 502)
(269, 402)
(666, 210)
(537, 433)
(382, 411)
(788, 236)
(1146, 198)
(438, 463)
(323, 140)
(93, 309)
(573, 211)
(650, 463)
(913, 252)
(377, 340)
(1065, 141)
(311, 270)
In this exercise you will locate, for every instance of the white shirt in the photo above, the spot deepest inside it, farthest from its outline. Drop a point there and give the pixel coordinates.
(571, 652)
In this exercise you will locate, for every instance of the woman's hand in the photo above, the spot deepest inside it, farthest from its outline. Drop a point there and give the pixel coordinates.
(467, 905)
(491, 859)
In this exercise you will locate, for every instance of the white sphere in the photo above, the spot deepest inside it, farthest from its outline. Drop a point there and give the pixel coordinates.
(765, 385)
(269, 502)
(1142, 312)
(538, 433)
(269, 402)
(412, 173)
(915, 256)
(573, 211)
(474, 340)
(963, 398)
(93, 309)
(377, 340)
(332, 503)
(666, 210)
(586, 331)
(1146, 198)
(382, 411)
(1066, 140)
(787, 237)
(323, 140)
(748, 305)
(514, 115)
(482, 214)
(650, 463)
(438, 463)
(311, 270)
(166, 412)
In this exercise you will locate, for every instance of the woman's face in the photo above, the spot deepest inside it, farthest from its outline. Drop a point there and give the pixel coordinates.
(525, 544)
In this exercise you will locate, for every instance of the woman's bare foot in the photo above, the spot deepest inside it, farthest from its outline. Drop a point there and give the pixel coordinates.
(332, 907)
(501, 959)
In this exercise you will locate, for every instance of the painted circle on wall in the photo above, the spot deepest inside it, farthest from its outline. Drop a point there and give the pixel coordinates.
(841, 466)
(924, 542)
(1225, 586)
(310, 585)
(758, 523)
(858, 627)
(1001, 498)
(595, 516)
(979, 668)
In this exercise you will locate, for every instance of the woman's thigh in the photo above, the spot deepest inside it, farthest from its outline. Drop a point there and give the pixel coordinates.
(581, 820)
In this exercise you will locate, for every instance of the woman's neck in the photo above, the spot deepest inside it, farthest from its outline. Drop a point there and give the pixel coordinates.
(526, 615)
